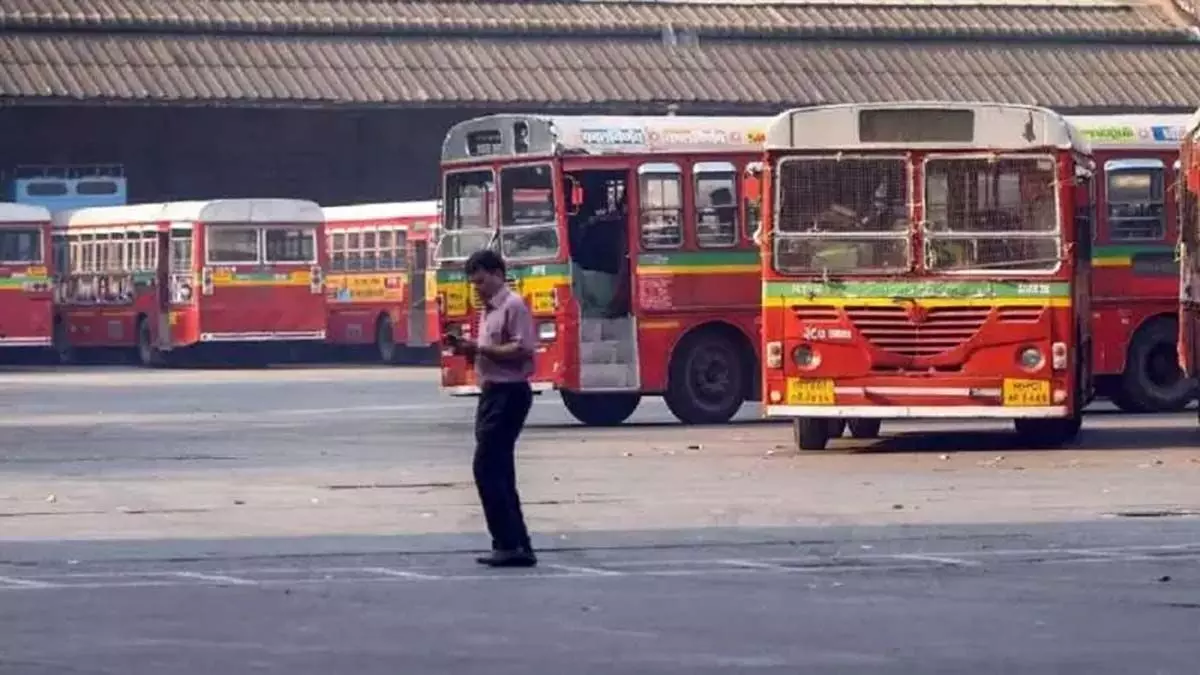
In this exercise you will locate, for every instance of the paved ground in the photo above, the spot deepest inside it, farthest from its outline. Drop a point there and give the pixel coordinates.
(320, 520)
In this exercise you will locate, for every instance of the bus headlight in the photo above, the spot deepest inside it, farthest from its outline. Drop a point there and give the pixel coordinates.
(806, 357)
(1031, 358)
(547, 330)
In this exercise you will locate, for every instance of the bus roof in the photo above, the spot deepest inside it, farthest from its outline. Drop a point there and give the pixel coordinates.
(12, 212)
(1131, 131)
(922, 124)
(351, 213)
(497, 135)
(217, 211)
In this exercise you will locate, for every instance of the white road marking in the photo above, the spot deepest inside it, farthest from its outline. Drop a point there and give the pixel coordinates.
(945, 560)
(754, 565)
(215, 578)
(591, 571)
(24, 583)
(390, 572)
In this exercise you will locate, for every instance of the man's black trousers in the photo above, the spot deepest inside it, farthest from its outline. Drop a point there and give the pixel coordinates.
(499, 418)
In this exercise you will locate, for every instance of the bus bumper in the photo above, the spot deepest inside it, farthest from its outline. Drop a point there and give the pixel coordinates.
(473, 390)
(917, 411)
(26, 341)
(265, 336)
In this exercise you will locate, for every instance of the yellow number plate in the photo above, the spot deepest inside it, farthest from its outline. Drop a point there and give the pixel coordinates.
(809, 392)
(543, 303)
(1020, 393)
(456, 302)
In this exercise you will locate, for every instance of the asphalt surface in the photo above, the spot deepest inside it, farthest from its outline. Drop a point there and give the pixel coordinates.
(1111, 595)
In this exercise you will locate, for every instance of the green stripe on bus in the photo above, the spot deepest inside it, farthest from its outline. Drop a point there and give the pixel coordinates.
(918, 289)
(698, 258)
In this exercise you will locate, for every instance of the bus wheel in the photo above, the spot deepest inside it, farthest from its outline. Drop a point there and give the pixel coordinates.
(385, 340)
(61, 344)
(813, 433)
(837, 427)
(707, 379)
(1049, 433)
(601, 410)
(148, 354)
(1152, 381)
(865, 428)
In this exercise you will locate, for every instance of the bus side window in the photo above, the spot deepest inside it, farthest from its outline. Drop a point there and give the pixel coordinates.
(387, 251)
(715, 192)
(661, 205)
(1136, 200)
(1085, 215)
(337, 251)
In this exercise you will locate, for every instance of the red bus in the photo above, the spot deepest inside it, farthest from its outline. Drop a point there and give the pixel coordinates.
(631, 241)
(236, 278)
(1135, 275)
(380, 290)
(26, 291)
(926, 260)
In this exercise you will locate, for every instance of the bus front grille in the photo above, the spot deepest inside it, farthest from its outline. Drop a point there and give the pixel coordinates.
(917, 331)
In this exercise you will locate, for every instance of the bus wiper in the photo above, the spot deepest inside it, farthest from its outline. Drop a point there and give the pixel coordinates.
(1007, 263)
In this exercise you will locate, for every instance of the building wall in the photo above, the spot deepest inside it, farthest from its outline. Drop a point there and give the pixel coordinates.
(334, 157)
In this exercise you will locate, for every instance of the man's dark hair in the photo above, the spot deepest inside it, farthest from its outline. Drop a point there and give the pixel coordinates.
(485, 260)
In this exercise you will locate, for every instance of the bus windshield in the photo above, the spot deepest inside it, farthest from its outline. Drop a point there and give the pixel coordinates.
(991, 213)
(468, 213)
(527, 224)
(847, 214)
(20, 245)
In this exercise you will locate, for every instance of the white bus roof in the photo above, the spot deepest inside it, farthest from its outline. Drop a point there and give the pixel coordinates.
(922, 124)
(12, 212)
(217, 211)
(354, 213)
(496, 135)
(1131, 131)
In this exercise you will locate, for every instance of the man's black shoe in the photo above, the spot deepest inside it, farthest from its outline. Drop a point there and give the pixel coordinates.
(512, 558)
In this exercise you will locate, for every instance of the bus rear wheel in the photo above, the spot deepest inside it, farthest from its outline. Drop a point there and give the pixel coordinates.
(1152, 381)
(385, 340)
(61, 343)
(814, 433)
(707, 379)
(864, 427)
(600, 410)
(1049, 433)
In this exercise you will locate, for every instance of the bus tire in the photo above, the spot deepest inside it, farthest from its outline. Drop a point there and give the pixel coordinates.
(1049, 433)
(1152, 381)
(813, 433)
(148, 355)
(863, 427)
(385, 339)
(60, 342)
(600, 410)
(707, 378)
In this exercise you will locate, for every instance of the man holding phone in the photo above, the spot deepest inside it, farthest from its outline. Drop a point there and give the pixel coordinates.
(503, 359)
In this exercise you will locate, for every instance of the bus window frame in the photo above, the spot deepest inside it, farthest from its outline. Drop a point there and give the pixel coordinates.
(708, 167)
(660, 170)
(1060, 231)
(1136, 164)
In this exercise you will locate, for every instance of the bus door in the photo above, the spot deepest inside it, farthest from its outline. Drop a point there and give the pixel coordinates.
(599, 230)
(418, 269)
(162, 287)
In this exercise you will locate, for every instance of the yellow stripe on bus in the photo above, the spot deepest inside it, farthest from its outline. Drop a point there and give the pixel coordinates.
(697, 269)
(806, 301)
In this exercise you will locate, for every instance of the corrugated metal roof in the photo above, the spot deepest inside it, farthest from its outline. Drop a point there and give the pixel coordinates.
(1024, 19)
(574, 72)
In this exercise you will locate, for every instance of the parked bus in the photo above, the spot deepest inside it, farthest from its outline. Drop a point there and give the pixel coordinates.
(631, 241)
(1135, 275)
(26, 292)
(926, 260)
(380, 290)
(238, 277)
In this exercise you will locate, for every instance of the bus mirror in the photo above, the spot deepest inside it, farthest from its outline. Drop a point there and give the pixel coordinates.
(574, 195)
(752, 185)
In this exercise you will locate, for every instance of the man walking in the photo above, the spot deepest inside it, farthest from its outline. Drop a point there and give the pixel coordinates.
(503, 358)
